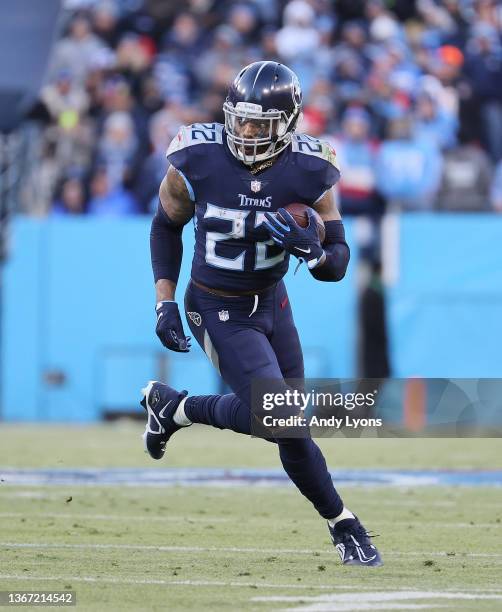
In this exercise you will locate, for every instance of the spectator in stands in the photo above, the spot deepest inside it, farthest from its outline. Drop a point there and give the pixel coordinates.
(118, 148)
(349, 76)
(108, 200)
(243, 19)
(71, 200)
(446, 19)
(322, 103)
(446, 67)
(496, 189)
(408, 170)
(65, 100)
(184, 40)
(76, 51)
(483, 67)
(72, 132)
(466, 177)
(432, 123)
(383, 24)
(70, 138)
(356, 153)
(163, 128)
(105, 22)
(354, 38)
(133, 59)
(225, 50)
(298, 38)
(117, 95)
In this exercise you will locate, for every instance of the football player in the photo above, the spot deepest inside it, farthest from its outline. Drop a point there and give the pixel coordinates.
(232, 180)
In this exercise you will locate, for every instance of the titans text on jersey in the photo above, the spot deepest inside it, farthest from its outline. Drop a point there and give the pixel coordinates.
(233, 250)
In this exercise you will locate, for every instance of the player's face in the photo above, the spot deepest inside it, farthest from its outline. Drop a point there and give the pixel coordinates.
(253, 129)
(253, 135)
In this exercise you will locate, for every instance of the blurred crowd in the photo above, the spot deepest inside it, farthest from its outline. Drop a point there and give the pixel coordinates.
(408, 92)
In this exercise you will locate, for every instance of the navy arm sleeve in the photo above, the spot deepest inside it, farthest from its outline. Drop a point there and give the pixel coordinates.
(337, 254)
(166, 246)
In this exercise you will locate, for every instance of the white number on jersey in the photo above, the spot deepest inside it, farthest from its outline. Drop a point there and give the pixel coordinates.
(303, 143)
(237, 217)
(198, 133)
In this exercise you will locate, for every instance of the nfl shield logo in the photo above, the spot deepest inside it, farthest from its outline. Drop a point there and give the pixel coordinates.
(255, 186)
(223, 314)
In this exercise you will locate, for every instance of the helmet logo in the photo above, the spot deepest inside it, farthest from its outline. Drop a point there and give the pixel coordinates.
(297, 92)
(248, 107)
(255, 186)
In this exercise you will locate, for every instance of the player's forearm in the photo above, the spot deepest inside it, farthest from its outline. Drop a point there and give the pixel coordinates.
(337, 254)
(165, 290)
(166, 250)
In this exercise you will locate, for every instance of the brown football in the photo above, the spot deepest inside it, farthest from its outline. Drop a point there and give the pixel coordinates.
(299, 214)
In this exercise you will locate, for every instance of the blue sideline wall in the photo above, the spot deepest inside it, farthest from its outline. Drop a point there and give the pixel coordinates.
(444, 295)
(78, 321)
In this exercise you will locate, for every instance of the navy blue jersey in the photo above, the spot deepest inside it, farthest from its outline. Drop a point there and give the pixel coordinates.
(233, 250)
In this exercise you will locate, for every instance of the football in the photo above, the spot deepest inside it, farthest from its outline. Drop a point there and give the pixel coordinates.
(300, 215)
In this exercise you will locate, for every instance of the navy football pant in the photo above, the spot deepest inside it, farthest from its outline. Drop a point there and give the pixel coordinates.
(255, 337)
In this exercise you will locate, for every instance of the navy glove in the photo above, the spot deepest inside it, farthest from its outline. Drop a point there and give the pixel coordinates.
(302, 242)
(169, 328)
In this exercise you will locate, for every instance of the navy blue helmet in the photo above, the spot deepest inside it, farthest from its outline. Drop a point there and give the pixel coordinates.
(261, 111)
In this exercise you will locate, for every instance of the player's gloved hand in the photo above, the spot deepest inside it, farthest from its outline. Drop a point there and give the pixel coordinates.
(302, 242)
(169, 328)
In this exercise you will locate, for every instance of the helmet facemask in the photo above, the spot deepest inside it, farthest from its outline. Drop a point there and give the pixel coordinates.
(254, 135)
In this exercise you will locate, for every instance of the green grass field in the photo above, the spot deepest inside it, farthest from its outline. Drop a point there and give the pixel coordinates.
(246, 548)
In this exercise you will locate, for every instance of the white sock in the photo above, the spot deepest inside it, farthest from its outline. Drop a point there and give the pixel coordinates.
(345, 514)
(180, 418)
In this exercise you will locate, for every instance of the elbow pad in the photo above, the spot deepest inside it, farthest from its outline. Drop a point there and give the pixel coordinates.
(166, 246)
(337, 254)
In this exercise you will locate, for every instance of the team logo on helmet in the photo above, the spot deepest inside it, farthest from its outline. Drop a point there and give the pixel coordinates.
(297, 91)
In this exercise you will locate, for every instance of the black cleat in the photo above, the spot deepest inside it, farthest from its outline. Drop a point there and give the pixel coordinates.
(353, 544)
(160, 401)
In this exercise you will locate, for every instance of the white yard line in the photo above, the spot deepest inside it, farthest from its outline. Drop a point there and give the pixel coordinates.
(200, 583)
(188, 549)
(232, 549)
(425, 524)
(384, 595)
(363, 607)
(376, 600)
(419, 503)
(202, 518)
(261, 585)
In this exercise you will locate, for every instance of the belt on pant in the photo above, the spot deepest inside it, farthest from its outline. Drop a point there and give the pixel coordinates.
(224, 293)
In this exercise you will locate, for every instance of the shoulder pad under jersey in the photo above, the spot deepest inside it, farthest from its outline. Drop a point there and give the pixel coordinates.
(313, 148)
(318, 166)
(185, 152)
(196, 134)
